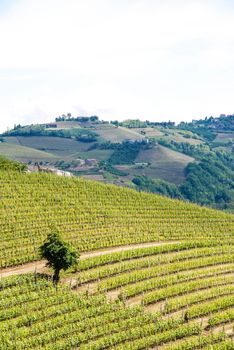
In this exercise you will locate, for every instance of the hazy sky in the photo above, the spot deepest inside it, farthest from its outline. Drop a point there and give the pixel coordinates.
(118, 59)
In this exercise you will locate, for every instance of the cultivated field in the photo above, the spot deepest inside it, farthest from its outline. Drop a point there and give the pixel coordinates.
(93, 216)
(45, 148)
(116, 134)
(24, 154)
(169, 134)
(149, 132)
(155, 273)
(58, 146)
(165, 164)
(224, 137)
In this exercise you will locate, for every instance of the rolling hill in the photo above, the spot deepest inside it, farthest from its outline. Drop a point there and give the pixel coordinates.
(69, 150)
(193, 161)
(24, 154)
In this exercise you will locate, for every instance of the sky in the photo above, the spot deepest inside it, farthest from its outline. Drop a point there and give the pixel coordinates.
(118, 59)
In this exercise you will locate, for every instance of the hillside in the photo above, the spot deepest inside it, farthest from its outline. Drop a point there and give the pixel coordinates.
(176, 292)
(191, 161)
(32, 203)
(24, 154)
(71, 142)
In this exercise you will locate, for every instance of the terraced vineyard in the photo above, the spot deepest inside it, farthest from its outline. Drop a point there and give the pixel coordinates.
(176, 294)
(94, 216)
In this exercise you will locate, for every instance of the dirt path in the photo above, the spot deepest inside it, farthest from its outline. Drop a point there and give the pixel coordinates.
(124, 248)
(39, 266)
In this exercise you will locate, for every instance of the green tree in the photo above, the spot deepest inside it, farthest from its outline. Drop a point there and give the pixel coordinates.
(59, 254)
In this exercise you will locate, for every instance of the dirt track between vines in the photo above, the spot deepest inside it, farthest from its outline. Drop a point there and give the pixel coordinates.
(40, 266)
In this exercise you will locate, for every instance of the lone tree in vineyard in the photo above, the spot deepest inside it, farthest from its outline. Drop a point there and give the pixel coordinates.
(59, 254)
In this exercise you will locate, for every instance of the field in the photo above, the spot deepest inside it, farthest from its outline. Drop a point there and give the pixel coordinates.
(169, 135)
(149, 132)
(165, 164)
(58, 146)
(224, 137)
(93, 216)
(154, 273)
(44, 148)
(116, 134)
(24, 154)
(68, 124)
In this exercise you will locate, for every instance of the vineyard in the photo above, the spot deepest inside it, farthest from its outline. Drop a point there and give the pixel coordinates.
(94, 216)
(174, 295)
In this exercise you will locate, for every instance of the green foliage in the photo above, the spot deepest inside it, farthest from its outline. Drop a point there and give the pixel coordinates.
(137, 123)
(202, 131)
(125, 152)
(207, 128)
(131, 123)
(89, 137)
(31, 130)
(68, 117)
(197, 151)
(41, 130)
(164, 188)
(211, 181)
(10, 165)
(223, 123)
(59, 254)
(208, 182)
(110, 169)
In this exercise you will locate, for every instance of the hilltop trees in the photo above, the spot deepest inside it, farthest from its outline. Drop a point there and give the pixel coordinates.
(59, 254)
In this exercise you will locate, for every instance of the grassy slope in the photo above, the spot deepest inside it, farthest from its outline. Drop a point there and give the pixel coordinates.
(57, 147)
(149, 132)
(117, 135)
(169, 135)
(24, 154)
(178, 136)
(107, 132)
(165, 164)
(224, 137)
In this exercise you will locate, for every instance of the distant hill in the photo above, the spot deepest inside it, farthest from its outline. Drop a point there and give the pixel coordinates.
(193, 161)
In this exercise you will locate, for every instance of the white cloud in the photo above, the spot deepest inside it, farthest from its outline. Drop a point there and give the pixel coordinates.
(171, 59)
